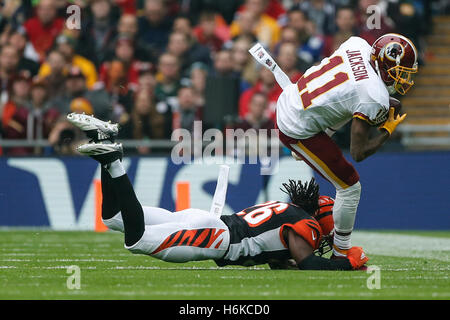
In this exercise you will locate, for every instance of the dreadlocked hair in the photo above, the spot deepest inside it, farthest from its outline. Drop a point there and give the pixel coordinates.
(304, 195)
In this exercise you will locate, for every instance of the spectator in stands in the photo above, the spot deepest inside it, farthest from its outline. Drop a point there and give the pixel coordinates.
(98, 32)
(147, 79)
(223, 64)
(168, 77)
(246, 21)
(365, 29)
(9, 61)
(144, 121)
(123, 53)
(206, 32)
(128, 25)
(321, 12)
(42, 117)
(198, 76)
(345, 23)
(19, 41)
(8, 16)
(288, 61)
(66, 46)
(65, 137)
(15, 112)
(76, 88)
(266, 28)
(167, 85)
(57, 77)
(243, 63)
(182, 24)
(188, 111)
(310, 44)
(187, 51)
(128, 28)
(226, 9)
(266, 85)
(257, 117)
(43, 29)
(155, 25)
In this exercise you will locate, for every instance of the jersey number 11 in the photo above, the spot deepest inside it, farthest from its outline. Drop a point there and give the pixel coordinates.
(339, 78)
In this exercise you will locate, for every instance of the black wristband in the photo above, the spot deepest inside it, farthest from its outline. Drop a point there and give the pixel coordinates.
(314, 262)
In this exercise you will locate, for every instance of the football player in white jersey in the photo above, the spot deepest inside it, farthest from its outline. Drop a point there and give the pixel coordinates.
(353, 84)
(273, 232)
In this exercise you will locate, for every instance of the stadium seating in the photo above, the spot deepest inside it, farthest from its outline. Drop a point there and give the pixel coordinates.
(428, 104)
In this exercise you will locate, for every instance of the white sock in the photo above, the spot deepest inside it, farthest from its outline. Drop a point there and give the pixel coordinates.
(341, 243)
(344, 213)
(116, 169)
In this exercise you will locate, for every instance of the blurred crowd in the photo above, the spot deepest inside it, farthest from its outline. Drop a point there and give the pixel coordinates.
(157, 65)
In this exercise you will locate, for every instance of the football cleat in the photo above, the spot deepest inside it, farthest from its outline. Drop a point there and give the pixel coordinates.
(104, 153)
(97, 130)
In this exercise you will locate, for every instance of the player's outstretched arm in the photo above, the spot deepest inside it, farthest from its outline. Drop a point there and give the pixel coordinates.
(361, 145)
(302, 252)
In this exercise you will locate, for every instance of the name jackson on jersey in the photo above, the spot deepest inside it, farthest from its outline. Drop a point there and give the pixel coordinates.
(341, 87)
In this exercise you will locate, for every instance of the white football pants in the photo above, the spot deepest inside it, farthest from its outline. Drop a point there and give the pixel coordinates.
(187, 235)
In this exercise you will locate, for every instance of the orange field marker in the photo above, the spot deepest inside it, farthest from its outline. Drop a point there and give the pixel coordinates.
(98, 223)
(182, 197)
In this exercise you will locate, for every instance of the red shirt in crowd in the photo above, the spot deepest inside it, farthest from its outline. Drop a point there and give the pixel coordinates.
(42, 37)
(272, 97)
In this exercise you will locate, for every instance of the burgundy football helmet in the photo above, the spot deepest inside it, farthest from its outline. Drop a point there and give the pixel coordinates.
(394, 57)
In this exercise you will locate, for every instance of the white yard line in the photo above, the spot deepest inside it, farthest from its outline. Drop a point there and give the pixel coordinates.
(398, 245)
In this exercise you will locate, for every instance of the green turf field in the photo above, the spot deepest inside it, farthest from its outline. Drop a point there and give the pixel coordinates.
(33, 265)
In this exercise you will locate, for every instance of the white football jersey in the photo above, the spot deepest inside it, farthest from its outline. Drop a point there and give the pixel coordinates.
(329, 95)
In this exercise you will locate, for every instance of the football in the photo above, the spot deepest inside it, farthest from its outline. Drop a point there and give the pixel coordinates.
(396, 104)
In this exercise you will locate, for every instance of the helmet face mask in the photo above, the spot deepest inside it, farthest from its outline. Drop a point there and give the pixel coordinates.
(403, 78)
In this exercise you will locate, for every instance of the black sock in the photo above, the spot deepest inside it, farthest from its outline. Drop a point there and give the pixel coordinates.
(110, 205)
(132, 213)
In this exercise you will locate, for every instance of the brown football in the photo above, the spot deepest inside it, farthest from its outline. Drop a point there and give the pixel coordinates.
(396, 104)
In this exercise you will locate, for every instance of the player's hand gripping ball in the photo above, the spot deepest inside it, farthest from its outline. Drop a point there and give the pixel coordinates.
(396, 104)
(394, 117)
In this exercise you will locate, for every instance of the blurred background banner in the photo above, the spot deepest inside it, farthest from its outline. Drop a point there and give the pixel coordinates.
(400, 190)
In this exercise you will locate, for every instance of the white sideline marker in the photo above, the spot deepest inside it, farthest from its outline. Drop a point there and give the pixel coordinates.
(221, 191)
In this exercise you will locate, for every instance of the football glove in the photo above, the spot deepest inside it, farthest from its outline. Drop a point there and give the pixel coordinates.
(357, 257)
(392, 122)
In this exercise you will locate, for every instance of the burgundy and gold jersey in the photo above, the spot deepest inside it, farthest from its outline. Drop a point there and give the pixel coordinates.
(343, 86)
(256, 233)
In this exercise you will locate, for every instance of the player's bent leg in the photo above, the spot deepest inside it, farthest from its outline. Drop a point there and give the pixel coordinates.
(110, 205)
(344, 214)
(152, 216)
(324, 156)
(197, 236)
(110, 155)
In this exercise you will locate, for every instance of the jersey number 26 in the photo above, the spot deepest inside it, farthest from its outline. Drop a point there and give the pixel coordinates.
(261, 214)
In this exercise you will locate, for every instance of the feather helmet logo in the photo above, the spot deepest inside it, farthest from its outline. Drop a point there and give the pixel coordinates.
(394, 51)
